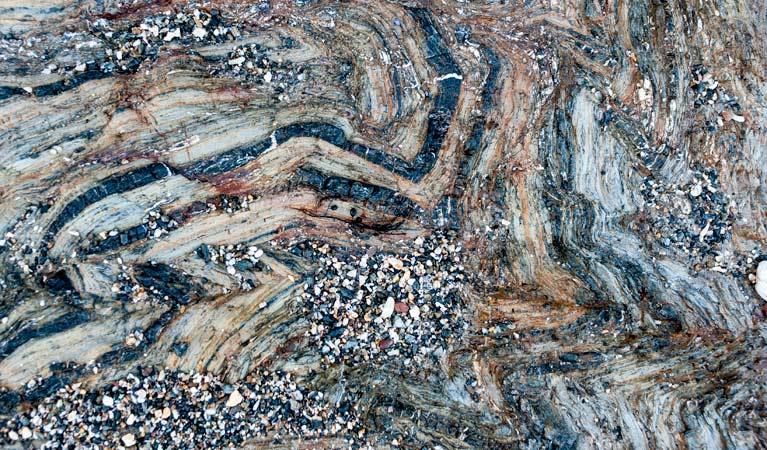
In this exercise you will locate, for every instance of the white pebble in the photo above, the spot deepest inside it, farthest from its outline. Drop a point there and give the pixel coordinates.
(172, 34)
(415, 312)
(696, 190)
(26, 433)
(761, 289)
(388, 308)
(107, 401)
(237, 61)
(761, 271)
(199, 32)
(129, 440)
(235, 398)
(140, 396)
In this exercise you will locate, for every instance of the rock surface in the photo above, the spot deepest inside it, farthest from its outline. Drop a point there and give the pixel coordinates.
(383, 224)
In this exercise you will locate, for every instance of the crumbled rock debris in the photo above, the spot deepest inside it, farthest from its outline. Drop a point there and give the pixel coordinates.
(694, 217)
(154, 225)
(232, 203)
(140, 283)
(644, 94)
(20, 256)
(713, 101)
(131, 46)
(238, 259)
(253, 63)
(126, 287)
(386, 305)
(172, 409)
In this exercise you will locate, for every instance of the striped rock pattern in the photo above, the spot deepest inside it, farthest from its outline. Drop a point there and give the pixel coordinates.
(602, 165)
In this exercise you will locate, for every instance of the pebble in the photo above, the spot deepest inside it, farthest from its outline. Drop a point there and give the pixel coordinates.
(761, 289)
(236, 61)
(761, 271)
(396, 263)
(199, 32)
(761, 280)
(235, 398)
(129, 440)
(696, 190)
(175, 33)
(388, 308)
(107, 401)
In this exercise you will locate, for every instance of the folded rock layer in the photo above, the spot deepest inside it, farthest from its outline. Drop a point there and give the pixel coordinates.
(383, 224)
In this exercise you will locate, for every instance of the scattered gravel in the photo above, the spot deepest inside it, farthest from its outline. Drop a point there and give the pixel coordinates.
(132, 46)
(171, 409)
(716, 104)
(153, 226)
(255, 64)
(383, 305)
(694, 217)
(238, 260)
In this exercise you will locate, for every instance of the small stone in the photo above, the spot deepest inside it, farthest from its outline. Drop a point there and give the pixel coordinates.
(199, 32)
(415, 312)
(696, 190)
(26, 433)
(235, 398)
(388, 308)
(401, 307)
(140, 396)
(761, 289)
(761, 271)
(383, 344)
(107, 401)
(268, 77)
(396, 263)
(13, 435)
(129, 440)
(237, 61)
(176, 33)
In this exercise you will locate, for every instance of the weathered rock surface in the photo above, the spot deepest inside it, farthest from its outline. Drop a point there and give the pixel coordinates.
(569, 195)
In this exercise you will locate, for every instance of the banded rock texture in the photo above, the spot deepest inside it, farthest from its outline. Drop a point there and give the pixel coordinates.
(175, 176)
